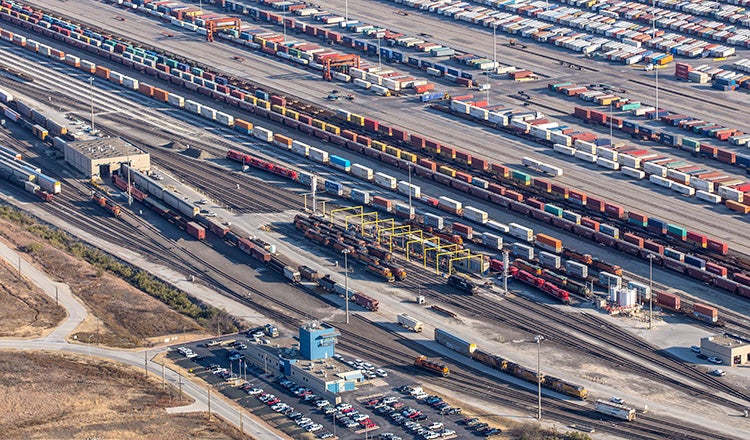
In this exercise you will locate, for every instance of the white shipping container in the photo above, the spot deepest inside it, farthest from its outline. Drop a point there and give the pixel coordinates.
(362, 83)
(362, 172)
(193, 107)
(175, 100)
(632, 172)
(498, 226)
(72, 60)
(588, 157)
(588, 147)
(560, 148)
(703, 185)
(731, 194)
(116, 77)
(707, 196)
(523, 251)
(385, 181)
(476, 215)
(88, 65)
(130, 83)
(608, 154)
(660, 181)
(683, 189)
(559, 138)
(300, 148)
(318, 155)
(208, 112)
(380, 90)
(606, 163)
(405, 188)
(225, 119)
(434, 221)
(629, 161)
(261, 133)
(522, 232)
(652, 168)
(491, 240)
(450, 203)
(549, 260)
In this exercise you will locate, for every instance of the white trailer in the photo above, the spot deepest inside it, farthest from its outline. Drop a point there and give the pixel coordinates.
(614, 410)
(407, 321)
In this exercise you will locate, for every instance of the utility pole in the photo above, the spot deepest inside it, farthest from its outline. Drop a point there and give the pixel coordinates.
(209, 402)
(56, 297)
(91, 89)
(145, 362)
(283, 19)
(410, 191)
(538, 339)
(505, 271)
(346, 281)
(651, 291)
(179, 383)
(656, 68)
(610, 125)
(313, 189)
(163, 382)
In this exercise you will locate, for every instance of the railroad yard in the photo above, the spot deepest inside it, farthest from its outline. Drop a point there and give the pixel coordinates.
(493, 200)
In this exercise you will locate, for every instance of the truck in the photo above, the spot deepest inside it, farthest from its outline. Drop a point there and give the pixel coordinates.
(292, 275)
(271, 330)
(432, 366)
(407, 321)
(614, 410)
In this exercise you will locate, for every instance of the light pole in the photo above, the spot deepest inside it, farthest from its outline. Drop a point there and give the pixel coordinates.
(494, 48)
(538, 339)
(410, 191)
(283, 19)
(610, 124)
(346, 281)
(505, 271)
(651, 290)
(89, 342)
(91, 90)
(656, 68)
(380, 63)
(346, 12)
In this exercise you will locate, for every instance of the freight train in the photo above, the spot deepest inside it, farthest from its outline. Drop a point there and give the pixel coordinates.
(506, 366)
(432, 366)
(25, 175)
(325, 130)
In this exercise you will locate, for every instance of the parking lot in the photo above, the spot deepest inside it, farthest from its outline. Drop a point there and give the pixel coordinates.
(389, 407)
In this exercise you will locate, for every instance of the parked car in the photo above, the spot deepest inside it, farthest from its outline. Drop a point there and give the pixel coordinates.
(695, 348)
(718, 372)
(714, 360)
(617, 400)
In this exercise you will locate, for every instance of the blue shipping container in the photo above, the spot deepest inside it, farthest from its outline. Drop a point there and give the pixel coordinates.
(695, 261)
(340, 163)
(360, 196)
(334, 188)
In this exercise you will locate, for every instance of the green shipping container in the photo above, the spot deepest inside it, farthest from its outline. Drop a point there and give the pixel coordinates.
(691, 144)
(552, 209)
(171, 63)
(677, 231)
(294, 52)
(523, 177)
(630, 106)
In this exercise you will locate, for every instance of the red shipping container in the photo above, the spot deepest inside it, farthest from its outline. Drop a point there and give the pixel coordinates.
(582, 198)
(305, 119)
(364, 140)
(518, 197)
(595, 204)
(497, 189)
(383, 202)
(741, 278)
(706, 310)
(463, 157)
(534, 203)
(481, 104)
(371, 124)
(417, 141)
(589, 223)
(638, 219)
(653, 247)
(744, 187)
(424, 88)
(466, 177)
(581, 112)
(542, 184)
(195, 230)
(717, 269)
(717, 246)
(633, 239)
(278, 100)
(463, 82)
(613, 210)
(463, 230)
(668, 300)
(447, 152)
(400, 135)
(499, 170)
(587, 136)
(432, 166)
(697, 239)
(479, 164)
(237, 94)
(352, 136)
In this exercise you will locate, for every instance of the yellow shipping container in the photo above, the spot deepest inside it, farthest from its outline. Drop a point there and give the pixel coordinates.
(447, 171)
(411, 157)
(380, 146)
(393, 151)
(251, 99)
(292, 114)
(278, 109)
(359, 120)
(317, 123)
(333, 129)
(263, 104)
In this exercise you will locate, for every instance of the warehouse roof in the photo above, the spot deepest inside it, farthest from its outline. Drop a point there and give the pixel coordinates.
(728, 340)
(103, 148)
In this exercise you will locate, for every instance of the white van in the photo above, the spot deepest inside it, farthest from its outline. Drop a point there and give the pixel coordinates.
(483, 87)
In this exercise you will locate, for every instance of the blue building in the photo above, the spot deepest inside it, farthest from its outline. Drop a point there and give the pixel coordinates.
(317, 340)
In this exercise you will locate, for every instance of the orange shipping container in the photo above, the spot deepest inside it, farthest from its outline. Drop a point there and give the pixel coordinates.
(243, 126)
(549, 243)
(161, 95)
(739, 207)
(102, 72)
(282, 141)
(146, 89)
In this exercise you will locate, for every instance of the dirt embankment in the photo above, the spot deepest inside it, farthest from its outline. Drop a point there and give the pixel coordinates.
(27, 311)
(126, 317)
(63, 396)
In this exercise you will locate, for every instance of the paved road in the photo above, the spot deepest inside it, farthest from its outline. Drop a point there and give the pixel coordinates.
(77, 313)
